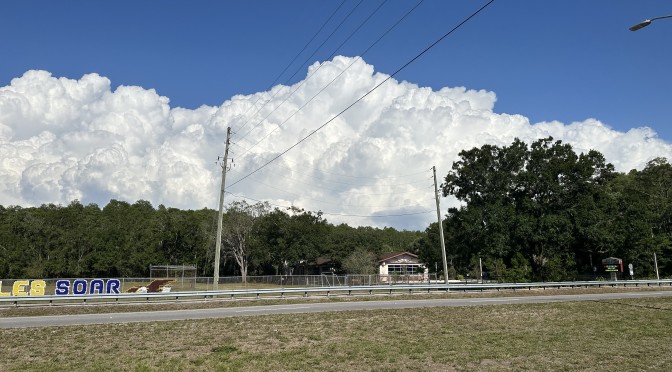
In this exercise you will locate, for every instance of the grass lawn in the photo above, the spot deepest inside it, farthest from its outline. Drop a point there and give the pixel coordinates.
(97, 307)
(93, 306)
(629, 334)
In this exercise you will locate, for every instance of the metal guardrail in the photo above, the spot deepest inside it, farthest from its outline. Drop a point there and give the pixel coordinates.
(307, 291)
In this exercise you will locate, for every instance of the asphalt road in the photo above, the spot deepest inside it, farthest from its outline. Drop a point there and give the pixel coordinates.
(172, 315)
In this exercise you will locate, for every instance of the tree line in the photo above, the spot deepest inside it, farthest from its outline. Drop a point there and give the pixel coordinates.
(543, 212)
(528, 212)
(123, 239)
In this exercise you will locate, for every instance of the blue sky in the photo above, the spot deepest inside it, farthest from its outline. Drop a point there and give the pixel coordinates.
(131, 100)
(547, 60)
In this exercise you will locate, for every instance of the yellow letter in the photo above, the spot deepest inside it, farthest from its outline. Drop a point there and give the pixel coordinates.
(1, 293)
(37, 287)
(19, 286)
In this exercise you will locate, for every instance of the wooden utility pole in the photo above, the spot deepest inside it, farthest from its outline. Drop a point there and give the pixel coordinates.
(655, 263)
(220, 216)
(443, 242)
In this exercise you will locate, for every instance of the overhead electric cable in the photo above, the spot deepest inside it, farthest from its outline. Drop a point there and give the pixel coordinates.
(378, 215)
(302, 64)
(334, 214)
(292, 61)
(370, 91)
(285, 69)
(406, 175)
(416, 192)
(327, 39)
(312, 73)
(305, 46)
(387, 179)
(332, 80)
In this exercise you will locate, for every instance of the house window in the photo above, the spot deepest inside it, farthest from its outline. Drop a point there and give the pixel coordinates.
(395, 270)
(403, 269)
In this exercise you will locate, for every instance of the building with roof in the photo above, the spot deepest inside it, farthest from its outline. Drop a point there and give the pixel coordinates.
(402, 264)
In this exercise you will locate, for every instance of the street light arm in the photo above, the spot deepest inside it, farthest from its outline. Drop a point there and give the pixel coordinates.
(647, 22)
(665, 16)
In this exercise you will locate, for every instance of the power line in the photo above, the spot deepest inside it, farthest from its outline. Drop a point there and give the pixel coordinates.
(370, 91)
(329, 37)
(301, 65)
(336, 214)
(419, 181)
(308, 43)
(415, 193)
(357, 177)
(388, 180)
(292, 61)
(380, 215)
(334, 79)
(392, 185)
(306, 79)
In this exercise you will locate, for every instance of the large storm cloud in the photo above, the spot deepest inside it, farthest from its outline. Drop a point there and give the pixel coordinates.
(63, 139)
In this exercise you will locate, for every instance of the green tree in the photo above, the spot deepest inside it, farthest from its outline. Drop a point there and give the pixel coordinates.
(643, 217)
(520, 270)
(238, 225)
(360, 262)
(531, 201)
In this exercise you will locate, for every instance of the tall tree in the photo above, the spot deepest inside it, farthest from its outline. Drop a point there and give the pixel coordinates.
(238, 225)
(361, 261)
(522, 203)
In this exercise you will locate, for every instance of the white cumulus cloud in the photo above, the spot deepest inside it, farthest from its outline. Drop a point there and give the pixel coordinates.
(63, 139)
